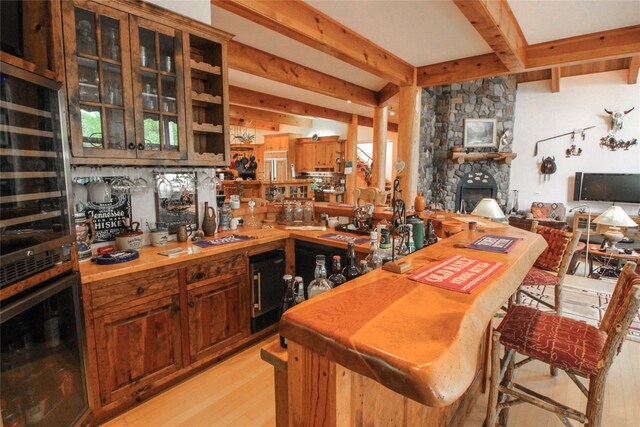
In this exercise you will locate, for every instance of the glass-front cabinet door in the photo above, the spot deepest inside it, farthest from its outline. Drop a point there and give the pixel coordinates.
(98, 65)
(158, 88)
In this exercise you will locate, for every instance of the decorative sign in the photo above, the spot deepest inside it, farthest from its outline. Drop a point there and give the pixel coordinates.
(491, 243)
(223, 241)
(343, 238)
(458, 273)
(108, 218)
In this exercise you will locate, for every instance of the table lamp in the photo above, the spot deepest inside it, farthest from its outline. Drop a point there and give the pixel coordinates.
(488, 208)
(615, 217)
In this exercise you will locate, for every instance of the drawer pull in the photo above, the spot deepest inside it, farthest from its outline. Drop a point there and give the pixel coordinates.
(199, 275)
(192, 304)
(140, 290)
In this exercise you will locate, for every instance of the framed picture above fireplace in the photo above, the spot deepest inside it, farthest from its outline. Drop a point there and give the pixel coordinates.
(480, 133)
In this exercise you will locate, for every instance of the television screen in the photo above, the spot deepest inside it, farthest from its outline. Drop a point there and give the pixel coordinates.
(607, 187)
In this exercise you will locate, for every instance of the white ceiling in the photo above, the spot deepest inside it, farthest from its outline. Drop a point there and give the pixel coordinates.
(542, 21)
(421, 32)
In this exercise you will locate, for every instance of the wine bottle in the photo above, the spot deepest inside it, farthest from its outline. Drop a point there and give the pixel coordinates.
(287, 302)
(350, 270)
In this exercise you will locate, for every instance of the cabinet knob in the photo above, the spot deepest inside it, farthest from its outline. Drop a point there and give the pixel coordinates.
(131, 146)
(141, 146)
(192, 304)
(199, 275)
(140, 290)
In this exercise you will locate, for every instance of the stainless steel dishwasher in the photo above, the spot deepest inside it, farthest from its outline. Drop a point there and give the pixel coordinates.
(266, 271)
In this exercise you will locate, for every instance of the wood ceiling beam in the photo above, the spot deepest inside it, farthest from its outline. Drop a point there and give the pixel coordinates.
(576, 70)
(262, 64)
(368, 122)
(634, 67)
(618, 43)
(247, 113)
(497, 25)
(303, 23)
(238, 95)
(556, 73)
(388, 94)
(459, 70)
(258, 124)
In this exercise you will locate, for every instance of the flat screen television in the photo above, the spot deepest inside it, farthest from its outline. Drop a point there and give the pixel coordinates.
(607, 187)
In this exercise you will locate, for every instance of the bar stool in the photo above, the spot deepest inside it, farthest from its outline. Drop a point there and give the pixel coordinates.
(551, 266)
(579, 349)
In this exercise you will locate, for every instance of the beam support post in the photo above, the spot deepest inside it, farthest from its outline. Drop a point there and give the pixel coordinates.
(409, 140)
(351, 155)
(379, 157)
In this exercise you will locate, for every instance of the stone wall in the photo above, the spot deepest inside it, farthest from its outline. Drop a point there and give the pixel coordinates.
(444, 109)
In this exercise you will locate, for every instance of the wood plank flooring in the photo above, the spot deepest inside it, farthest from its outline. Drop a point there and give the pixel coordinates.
(239, 392)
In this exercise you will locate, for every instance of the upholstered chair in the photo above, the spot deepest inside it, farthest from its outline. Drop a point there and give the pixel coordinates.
(579, 349)
(551, 266)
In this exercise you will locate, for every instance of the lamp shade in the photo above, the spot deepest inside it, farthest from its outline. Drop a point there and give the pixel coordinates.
(488, 208)
(615, 216)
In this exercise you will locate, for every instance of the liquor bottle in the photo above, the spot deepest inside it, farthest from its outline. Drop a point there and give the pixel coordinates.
(337, 278)
(298, 290)
(374, 258)
(431, 237)
(364, 267)
(287, 302)
(350, 270)
(320, 284)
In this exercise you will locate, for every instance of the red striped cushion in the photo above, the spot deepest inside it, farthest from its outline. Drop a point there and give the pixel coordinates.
(538, 277)
(560, 341)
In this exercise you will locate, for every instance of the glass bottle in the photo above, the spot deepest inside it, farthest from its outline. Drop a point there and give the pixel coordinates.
(287, 302)
(251, 221)
(298, 290)
(364, 267)
(374, 258)
(431, 237)
(288, 213)
(320, 284)
(308, 213)
(337, 278)
(350, 270)
(298, 212)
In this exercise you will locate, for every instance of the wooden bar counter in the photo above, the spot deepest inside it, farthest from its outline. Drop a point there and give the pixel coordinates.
(386, 350)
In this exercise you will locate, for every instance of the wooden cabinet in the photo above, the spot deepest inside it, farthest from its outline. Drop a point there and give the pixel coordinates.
(277, 142)
(326, 154)
(305, 157)
(217, 316)
(136, 348)
(144, 86)
(580, 223)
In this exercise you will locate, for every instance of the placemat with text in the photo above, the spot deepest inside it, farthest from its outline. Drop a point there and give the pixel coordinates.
(343, 238)
(223, 241)
(458, 273)
(492, 243)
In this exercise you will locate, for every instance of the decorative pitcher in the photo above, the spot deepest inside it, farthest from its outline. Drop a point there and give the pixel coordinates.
(419, 204)
(209, 223)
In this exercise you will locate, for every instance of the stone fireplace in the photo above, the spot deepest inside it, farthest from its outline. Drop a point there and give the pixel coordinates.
(444, 109)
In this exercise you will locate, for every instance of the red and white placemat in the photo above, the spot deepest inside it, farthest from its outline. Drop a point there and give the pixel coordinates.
(458, 273)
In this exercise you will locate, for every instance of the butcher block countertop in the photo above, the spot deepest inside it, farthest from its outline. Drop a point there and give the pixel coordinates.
(418, 340)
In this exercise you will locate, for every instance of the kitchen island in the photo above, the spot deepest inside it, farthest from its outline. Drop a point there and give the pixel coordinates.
(393, 350)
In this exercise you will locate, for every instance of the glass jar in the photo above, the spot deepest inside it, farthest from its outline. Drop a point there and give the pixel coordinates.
(298, 212)
(308, 214)
(288, 213)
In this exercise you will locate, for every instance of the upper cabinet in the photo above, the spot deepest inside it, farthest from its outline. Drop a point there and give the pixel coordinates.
(143, 91)
(324, 154)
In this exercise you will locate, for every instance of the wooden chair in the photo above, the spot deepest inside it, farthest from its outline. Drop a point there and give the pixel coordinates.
(551, 266)
(579, 349)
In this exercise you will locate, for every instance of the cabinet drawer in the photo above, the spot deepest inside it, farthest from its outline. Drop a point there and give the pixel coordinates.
(133, 290)
(217, 266)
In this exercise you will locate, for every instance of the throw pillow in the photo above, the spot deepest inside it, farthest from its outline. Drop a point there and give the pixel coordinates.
(539, 212)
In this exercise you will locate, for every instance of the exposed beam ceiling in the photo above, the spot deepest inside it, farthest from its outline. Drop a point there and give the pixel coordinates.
(257, 124)
(259, 63)
(495, 22)
(368, 122)
(575, 70)
(247, 113)
(618, 43)
(634, 67)
(472, 68)
(260, 100)
(388, 94)
(307, 25)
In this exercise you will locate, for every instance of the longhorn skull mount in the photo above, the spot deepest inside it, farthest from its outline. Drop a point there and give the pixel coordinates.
(617, 118)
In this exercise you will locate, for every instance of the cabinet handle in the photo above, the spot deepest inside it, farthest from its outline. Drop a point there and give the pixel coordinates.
(140, 290)
(141, 146)
(131, 146)
(199, 275)
(192, 304)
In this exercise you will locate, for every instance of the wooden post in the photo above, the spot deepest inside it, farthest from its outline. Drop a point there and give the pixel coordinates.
(351, 155)
(378, 178)
(409, 140)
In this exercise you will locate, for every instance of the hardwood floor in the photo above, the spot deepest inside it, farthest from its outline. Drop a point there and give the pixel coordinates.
(239, 392)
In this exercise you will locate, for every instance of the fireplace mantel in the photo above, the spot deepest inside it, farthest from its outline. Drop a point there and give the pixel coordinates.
(499, 156)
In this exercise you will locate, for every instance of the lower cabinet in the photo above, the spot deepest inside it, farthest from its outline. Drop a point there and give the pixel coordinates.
(137, 347)
(217, 316)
